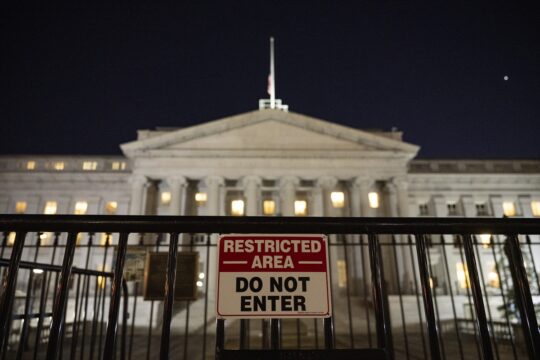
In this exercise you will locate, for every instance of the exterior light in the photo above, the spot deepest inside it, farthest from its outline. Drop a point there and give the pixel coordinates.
(20, 207)
(201, 276)
(338, 199)
(37, 271)
(50, 208)
(300, 208)
(509, 208)
(111, 207)
(165, 198)
(81, 207)
(485, 239)
(199, 283)
(269, 207)
(201, 197)
(373, 198)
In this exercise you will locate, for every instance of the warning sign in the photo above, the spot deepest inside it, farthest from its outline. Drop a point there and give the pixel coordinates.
(273, 276)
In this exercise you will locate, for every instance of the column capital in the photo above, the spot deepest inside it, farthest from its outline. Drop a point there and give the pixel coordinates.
(327, 182)
(214, 180)
(363, 181)
(251, 180)
(138, 179)
(289, 181)
(400, 182)
(176, 180)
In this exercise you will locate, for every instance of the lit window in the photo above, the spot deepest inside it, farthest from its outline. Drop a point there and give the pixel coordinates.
(81, 207)
(338, 199)
(509, 208)
(535, 206)
(20, 207)
(118, 165)
(373, 198)
(11, 238)
(101, 280)
(45, 238)
(485, 239)
(462, 276)
(111, 207)
(269, 207)
(300, 208)
(106, 239)
(493, 277)
(201, 197)
(30, 165)
(59, 165)
(50, 208)
(165, 198)
(237, 207)
(342, 273)
(89, 165)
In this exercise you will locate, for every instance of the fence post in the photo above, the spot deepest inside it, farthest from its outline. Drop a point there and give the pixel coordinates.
(169, 296)
(380, 301)
(525, 305)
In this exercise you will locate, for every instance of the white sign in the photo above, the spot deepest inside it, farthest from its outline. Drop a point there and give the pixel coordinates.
(273, 276)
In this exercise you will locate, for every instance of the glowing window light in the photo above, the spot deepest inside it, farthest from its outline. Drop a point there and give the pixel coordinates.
(50, 208)
(237, 207)
(462, 276)
(106, 239)
(201, 197)
(493, 277)
(300, 208)
(59, 165)
(89, 165)
(509, 209)
(11, 238)
(373, 198)
(37, 271)
(118, 165)
(81, 207)
(111, 207)
(338, 199)
(269, 207)
(485, 239)
(20, 207)
(535, 206)
(30, 165)
(166, 198)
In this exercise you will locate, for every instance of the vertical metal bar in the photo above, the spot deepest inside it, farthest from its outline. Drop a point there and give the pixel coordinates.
(423, 268)
(108, 243)
(78, 310)
(150, 325)
(275, 334)
(86, 287)
(422, 336)
(365, 289)
(316, 333)
(220, 338)
(125, 295)
(523, 296)
(170, 282)
(242, 334)
(206, 282)
(188, 303)
(535, 269)
(57, 322)
(398, 283)
(348, 291)
(133, 316)
(264, 327)
(298, 337)
(9, 285)
(481, 320)
(112, 324)
(452, 302)
(435, 301)
(328, 325)
(384, 331)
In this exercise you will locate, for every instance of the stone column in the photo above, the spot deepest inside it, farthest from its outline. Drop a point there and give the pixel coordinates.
(288, 194)
(355, 200)
(214, 184)
(177, 185)
(469, 208)
(326, 184)
(139, 184)
(402, 191)
(251, 185)
(364, 184)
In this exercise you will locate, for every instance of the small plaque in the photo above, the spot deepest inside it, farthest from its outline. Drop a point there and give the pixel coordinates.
(187, 267)
(134, 263)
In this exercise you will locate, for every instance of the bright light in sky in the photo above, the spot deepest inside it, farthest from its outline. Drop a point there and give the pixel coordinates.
(506, 78)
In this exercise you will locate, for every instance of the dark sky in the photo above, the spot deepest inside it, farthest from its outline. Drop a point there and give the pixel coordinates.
(81, 79)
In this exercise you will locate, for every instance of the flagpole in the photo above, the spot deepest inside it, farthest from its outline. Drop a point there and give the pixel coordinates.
(272, 76)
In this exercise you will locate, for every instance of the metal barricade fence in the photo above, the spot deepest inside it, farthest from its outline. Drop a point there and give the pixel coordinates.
(419, 288)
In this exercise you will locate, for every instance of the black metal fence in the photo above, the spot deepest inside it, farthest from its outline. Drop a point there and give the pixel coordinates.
(439, 288)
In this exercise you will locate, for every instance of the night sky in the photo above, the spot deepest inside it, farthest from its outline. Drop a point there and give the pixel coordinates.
(81, 79)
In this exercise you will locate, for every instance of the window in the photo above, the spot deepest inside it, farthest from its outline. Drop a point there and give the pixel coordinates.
(373, 198)
(509, 209)
(11, 238)
(111, 207)
(237, 207)
(300, 208)
(452, 208)
(20, 207)
(342, 273)
(59, 165)
(201, 197)
(165, 198)
(81, 207)
(45, 238)
(338, 199)
(30, 165)
(485, 240)
(118, 165)
(50, 208)
(535, 206)
(493, 277)
(481, 209)
(106, 239)
(89, 165)
(269, 207)
(462, 276)
(423, 209)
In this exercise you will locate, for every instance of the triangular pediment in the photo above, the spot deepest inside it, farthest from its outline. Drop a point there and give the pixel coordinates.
(271, 130)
